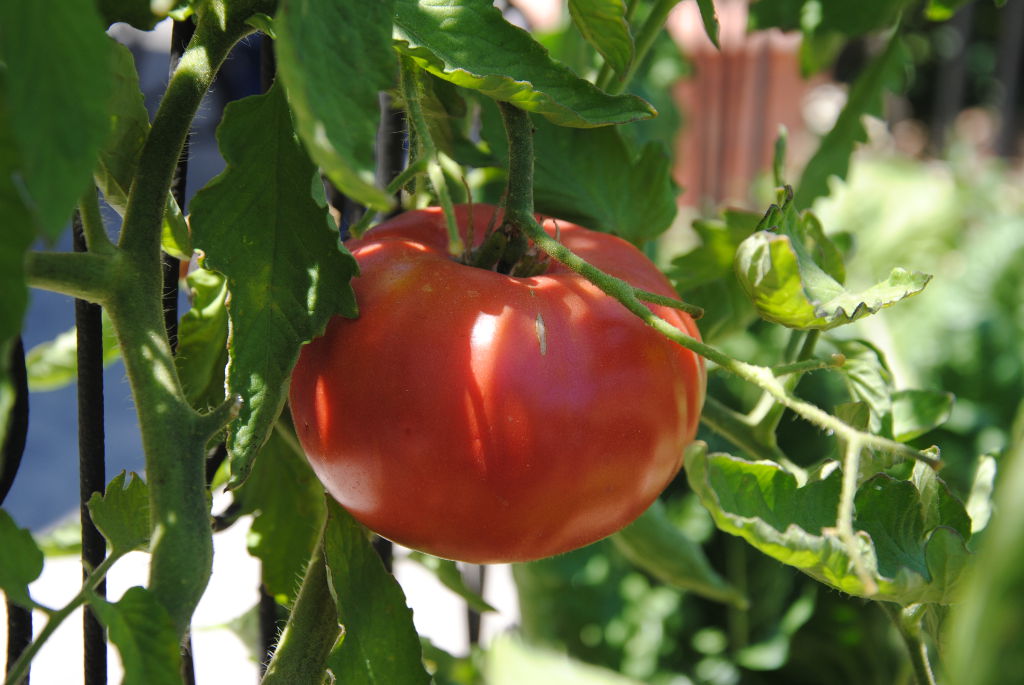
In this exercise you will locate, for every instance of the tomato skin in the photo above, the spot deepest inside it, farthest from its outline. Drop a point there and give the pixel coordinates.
(487, 418)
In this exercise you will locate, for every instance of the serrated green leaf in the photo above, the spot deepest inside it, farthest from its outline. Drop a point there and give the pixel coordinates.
(202, 355)
(57, 59)
(119, 156)
(470, 43)
(790, 289)
(448, 573)
(287, 502)
(122, 513)
(909, 559)
(260, 225)
(979, 501)
(915, 412)
(53, 364)
(630, 194)
(144, 635)
(317, 40)
(21, 563)
(381, 645)
(510, 661)
(603, 23)
(658, 546)
(832, 158)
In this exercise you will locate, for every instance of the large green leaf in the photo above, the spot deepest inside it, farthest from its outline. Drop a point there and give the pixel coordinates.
(911, 542)
(603, 23)
(263, 223)
(630, 193)
(469, 43)
(380, 645)
(144, 635)
(22, 560)
(119, 155)
(334, 56)
(287, 502)
(122, 513)
(832, 158)
(58, 62)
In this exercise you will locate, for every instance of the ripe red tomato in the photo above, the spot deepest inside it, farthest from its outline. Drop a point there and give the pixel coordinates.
(488, 418)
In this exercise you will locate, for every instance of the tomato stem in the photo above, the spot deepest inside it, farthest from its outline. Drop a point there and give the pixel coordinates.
(424, 150)
(312, 629)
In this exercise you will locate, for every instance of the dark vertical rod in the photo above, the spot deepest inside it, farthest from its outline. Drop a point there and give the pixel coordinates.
(91, 463)
(951, 81)
(19, 619)
(1011, 34)
(181, 34)
(474, 575)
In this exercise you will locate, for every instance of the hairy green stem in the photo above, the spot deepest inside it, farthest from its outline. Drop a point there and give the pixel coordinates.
(412, 93)
(908, 625)
(96, 239)
(84, 275)
(173, 435)
(844, 517)
(311, 632)
(19, 669)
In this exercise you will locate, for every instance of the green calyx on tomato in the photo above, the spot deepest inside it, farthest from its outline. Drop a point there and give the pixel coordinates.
(489, 417)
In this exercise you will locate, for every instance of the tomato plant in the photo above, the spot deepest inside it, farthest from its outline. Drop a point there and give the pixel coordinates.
(484, 385)
(485, 417)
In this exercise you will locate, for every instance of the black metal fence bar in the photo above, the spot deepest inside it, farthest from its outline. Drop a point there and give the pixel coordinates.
(19, 619)
(91, 464)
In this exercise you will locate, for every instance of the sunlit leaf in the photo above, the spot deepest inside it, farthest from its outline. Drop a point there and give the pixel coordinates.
(317, 42)
(603, 23)
(910, 543)
(380, 645)
(510, 661)
(122, 513)
(472, 45)
(915, 412)
(263, 223)
(144, 635)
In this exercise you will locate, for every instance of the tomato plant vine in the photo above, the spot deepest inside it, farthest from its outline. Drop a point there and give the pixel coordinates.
(535, 322)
